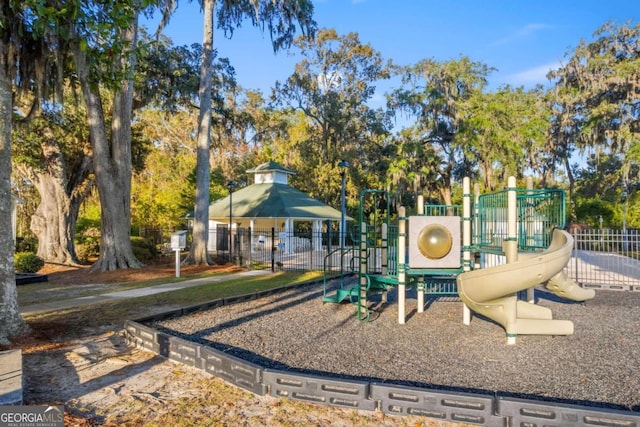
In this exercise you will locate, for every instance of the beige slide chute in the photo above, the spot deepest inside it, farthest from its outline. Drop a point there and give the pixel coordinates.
(491, 291)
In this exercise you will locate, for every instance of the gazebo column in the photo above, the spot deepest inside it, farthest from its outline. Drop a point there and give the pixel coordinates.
(315, 243)
(288, 232)
(252, 227)
(316, 238)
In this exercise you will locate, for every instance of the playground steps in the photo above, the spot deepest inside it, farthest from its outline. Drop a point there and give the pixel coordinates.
(341, 295)
(378, 281)
(376, 284)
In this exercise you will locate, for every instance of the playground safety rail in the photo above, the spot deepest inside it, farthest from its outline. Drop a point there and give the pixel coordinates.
(484, 409)
(538, 211)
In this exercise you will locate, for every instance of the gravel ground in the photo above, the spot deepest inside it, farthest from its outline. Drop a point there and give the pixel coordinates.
(295, 331)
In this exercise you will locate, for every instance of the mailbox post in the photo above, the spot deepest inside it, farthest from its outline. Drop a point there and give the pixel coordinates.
(178, 243)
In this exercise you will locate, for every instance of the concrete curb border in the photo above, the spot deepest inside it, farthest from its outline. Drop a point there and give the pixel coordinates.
(11, 377)
(474, 408)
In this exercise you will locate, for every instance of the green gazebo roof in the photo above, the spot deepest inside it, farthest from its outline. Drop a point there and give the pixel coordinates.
(271, 166)
(273, 200)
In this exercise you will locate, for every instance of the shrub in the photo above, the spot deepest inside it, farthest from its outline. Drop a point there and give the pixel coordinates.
(88, 244)
(85, 252)
(143, 249)
(28, 244)
(27, 262)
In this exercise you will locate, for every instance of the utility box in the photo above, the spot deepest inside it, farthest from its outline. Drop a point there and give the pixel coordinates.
(178, 240)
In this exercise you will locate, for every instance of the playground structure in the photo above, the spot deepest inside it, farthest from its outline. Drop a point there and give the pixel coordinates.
(491, 252)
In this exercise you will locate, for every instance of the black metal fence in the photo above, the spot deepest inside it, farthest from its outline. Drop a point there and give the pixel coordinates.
(606, 258)
(276, 249)
(602, 258)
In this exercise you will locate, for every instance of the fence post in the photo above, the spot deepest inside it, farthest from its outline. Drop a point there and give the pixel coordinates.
(273, 249)
(250, 245)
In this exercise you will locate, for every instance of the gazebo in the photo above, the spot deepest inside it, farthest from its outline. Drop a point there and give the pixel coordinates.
(270, 202)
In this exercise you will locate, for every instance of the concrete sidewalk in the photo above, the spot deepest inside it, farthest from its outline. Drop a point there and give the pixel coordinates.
(133, 293)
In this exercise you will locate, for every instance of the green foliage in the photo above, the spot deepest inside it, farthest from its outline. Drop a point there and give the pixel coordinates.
(458, 128)
(88, 242)
(434, 93)
(589, 211)
(595, 97)
(504, 133)
(331, 89)
(27, 262)
(601, 177)
(64, 129)
(278, 17)
(143, 249)
(89, 216)
(88, 230)
(26, 244)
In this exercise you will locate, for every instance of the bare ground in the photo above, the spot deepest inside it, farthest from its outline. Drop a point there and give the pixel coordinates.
(88, 368)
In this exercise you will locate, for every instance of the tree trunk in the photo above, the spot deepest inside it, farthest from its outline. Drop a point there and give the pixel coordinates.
(11, 323)
(54, 221)
(445, 193)
(112, 162)
(572, 183)
(199, 253)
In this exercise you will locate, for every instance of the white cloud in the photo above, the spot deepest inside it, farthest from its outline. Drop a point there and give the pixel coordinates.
(523, 32)
(530, 29)
(532, 76)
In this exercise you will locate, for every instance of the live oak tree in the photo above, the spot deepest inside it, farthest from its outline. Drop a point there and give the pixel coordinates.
(595, 103)
(432, 93)
(17, 38)
(53, 153)
(52, 148)
(50, 139)
(332, 87)
(99, 39)
(505, 133)
(597, 193)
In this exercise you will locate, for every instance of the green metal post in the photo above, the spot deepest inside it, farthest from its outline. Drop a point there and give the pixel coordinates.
(362, 295)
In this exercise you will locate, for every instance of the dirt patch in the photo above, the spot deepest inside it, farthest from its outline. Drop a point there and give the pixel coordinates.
(153, 270)
(101, 381)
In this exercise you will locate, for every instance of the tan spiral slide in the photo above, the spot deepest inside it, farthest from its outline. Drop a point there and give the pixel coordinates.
(491, 291)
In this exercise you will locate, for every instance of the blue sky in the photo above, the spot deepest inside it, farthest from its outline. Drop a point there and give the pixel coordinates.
(522, 39)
